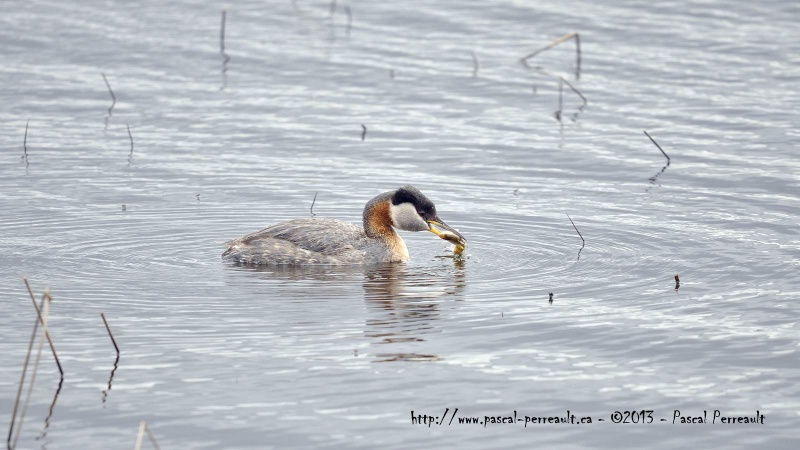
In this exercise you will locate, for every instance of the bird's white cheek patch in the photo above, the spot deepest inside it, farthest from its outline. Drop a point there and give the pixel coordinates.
(405, 217)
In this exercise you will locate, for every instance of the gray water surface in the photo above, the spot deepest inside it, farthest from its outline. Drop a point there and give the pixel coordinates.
(217, 356)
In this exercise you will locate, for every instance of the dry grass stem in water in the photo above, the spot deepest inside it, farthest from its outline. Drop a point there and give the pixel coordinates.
(143, 428)
(225, 56)
(576, 228)
(561, 83)
(113, 101)
(116, 362)
(566, 37)
(45, 307)
(659, 147)
(24, 373)
(130, 136)
(44, 327)
(25, 142)
(579, 234)
(476, 65)
(40, 319)
(110, 91)
(312, 203)
(560, 100)
(111, 335)
(363, 132)
(585, 102)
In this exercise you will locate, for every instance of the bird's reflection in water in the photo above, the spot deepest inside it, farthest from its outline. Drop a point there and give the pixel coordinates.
(402, 302)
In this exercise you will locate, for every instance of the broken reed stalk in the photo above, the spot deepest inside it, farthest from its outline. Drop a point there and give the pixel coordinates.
(561, 82)
(476, 65)
(113, 97)
(576, 229)
(116, 347)
(363, 132)
(222, 41)
(585, 102)
(312, 203)
(45, 306)
(130, 136)
(583, 241)
(140, 437)
(24, 373)
(111, 335)
(44, 327)
(560, 100)
(659, 147)
(25, 142)
(113, 101)
(566, 37)
(349, 19)
(222, 35)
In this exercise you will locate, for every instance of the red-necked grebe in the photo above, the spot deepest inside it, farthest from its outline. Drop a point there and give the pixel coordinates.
(330, 241)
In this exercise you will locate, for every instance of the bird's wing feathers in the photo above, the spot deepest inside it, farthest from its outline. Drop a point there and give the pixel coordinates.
(326, 236)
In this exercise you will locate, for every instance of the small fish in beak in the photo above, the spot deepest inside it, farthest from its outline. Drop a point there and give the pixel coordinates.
(448, 234)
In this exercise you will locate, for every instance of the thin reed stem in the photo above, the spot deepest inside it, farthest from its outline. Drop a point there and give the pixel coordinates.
(24, 372)
(585, 102)
(45, 305)
(566, 37)
(579, 234)
(110, 334)
(44, 327)
(110, 91)
(225, 56)
(25, 142)
(576, 229)
(143, 428)
(560, 99)
(130, 136)
(659, 147)
(113, 101)
(312, 203)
